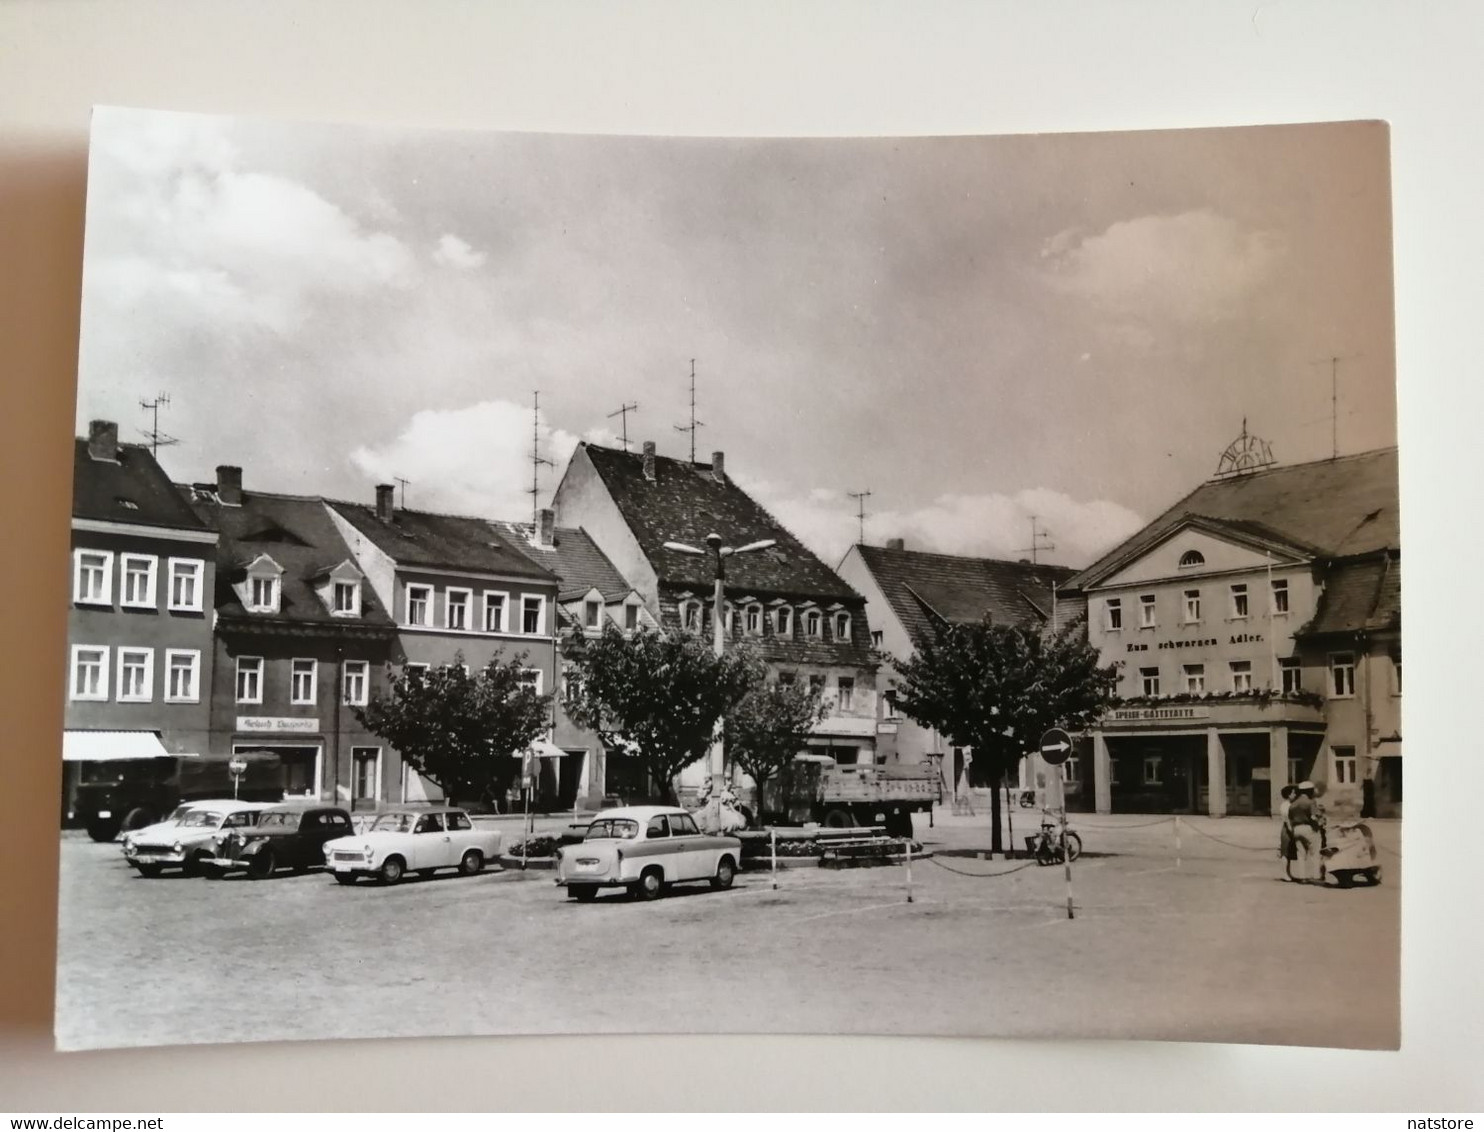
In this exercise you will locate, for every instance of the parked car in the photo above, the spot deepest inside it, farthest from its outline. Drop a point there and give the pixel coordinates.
(421, 841)
(287, 836)
(185, 841)
(645, 849)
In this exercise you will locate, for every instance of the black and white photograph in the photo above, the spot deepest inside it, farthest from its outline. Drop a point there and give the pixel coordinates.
(534, 583)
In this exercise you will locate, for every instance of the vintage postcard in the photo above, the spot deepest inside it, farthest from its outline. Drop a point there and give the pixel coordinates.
(533, 584)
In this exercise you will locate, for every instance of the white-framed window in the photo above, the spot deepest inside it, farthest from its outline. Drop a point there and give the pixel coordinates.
(345, 599)
(592, 614)
(1292, 673)
(813, 623)
(303, 681)
(420, 605)
(89, 672)
(783, 621)
(631, 617)
(411, 667)
(532, 678)
(185, 594)
(1149, 681)
(1113, 614)
(533, 615)
(1241, 675)
(136, 676)
(842, 626)
(456, 604)
(846, 685)
(182, 676)
(1345, 765)
(495, 604)
(1071, 770)
(1239, 601)
(1153, 770)
(365, 774)
(752, 620)
(1396, 672)
(1195, 678)
(355, 684)
(690, 616)
(263, 592)
(249, 679)
(1192, 606)
(1147, 616)
(137, 580)
(1192, 558)
(1342, 675)
(1280, 596)
(92, 577)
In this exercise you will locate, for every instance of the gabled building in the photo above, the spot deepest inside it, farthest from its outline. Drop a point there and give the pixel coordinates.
(139, 625)
(805, 621)
(908, 591)
(458, 592)
(1257, 626)
(301, 639)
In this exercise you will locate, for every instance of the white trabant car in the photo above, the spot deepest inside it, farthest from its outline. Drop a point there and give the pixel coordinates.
(419, 840)
(645, 849)
(184, 839)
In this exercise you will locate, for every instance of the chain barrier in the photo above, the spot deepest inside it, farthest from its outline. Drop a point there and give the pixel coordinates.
(980, 876)
(1116, 828)
(1233, 844)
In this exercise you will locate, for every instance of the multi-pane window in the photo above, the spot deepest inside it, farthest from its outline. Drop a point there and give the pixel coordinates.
(1071, 770)
(532, 614)
(419, 605)
(1192, 558)
(262, 593)
(842, 626)
(813, 622)
(1239, 601)
(1113, 614)
(752, 620)
(592, 613)
(302, 681)
(1192, 606)
(530, 678)
(494, 612)
(1293, 675)
(185, 584)
(1280, 595)
(138, 585)
(1345, 765)
(347, 598)
(1149, 681)
(89, 672)
(182, 675)
(631, 617)
(92, 575)
(1146, 611)
(1241, 675)
(847, 692)
(249, 679)
(1195, 677)
(458, 608)
(1342, 674)
(783, 621)
(136, 675)
(1153, 770)
(356, 682)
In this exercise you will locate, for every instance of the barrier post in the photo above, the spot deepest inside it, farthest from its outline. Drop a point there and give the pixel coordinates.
(1177, 841)
(773, 854)
(1066, 860)
(909, 870)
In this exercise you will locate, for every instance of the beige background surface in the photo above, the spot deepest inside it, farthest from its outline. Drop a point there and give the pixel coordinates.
(827, 68)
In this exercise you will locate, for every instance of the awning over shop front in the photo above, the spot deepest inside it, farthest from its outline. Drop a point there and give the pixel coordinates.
(1389, 748)
(846, 727)
(95, 746)
(544, 750)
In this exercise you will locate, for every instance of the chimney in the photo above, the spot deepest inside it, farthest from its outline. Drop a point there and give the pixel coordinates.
(103, 440)
(719, 466)
(385, 502)
(649, 460)
(546, 528)
(229, 485)
(896, 544)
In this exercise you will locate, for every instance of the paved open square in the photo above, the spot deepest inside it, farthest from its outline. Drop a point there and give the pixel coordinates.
(1210, 946)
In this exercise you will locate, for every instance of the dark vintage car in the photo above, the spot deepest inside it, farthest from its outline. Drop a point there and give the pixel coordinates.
(289, 836)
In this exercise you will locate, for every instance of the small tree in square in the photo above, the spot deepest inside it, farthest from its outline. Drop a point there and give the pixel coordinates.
(768, 726)
(460, 729)
(657, 695)
(998, 688)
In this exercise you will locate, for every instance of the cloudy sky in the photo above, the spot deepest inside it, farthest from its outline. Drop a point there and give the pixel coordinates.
(974, 329)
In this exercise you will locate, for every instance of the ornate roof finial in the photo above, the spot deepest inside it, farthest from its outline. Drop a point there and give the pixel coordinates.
(1247, 453)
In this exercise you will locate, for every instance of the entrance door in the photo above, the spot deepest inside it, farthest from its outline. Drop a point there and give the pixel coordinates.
(1181, 784)
(569, 775)
(365, 777)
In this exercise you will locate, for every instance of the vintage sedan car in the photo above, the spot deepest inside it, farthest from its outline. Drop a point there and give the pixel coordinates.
(421, 841)
(287, 836)
(645, 849)
(185, 841)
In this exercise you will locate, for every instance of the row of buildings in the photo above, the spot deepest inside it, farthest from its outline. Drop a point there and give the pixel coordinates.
(1256, 624)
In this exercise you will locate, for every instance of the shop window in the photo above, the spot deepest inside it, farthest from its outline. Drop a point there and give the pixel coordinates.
(1280, 596)
(1345, 765)
(1071, 771)
(1113, 614)
(1147, 615)
(1295, 769)
(1293, 675)
(1195, 678)
(1153, 770)
(1239, 601)
(1241, 675)
(1149, 681)
(1191, 558)
(1342, 675)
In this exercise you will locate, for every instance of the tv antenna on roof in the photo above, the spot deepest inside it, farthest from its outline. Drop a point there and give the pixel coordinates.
(623, 412)
(402, 482)
(1036, 546)
(536, 458)
(1247, 453)
(156, 438)
(1333, 361)
(694, 424)
(860, 498)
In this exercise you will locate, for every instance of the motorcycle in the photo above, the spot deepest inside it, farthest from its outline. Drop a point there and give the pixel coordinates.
(1046, 846)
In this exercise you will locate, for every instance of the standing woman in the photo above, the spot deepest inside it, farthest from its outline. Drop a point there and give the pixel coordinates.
(1285, 832)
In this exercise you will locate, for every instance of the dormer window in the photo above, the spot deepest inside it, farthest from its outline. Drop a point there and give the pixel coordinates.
(783, 621)
(631, 617)
(690, 616)
(347, 599)
(1191, 558)
(842, 626)
(264, 586)
(592, 614)
(813, 623)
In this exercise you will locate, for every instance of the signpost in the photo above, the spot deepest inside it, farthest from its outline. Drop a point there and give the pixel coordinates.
(1056, 746)
(238, 767)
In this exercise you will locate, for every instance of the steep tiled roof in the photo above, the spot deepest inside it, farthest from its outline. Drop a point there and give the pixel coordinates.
(134, 490)
(574, 558)
(956, 588)
(685, 503)
(1360, 596)
(298, 534)
(444, 542)
(1336, 508)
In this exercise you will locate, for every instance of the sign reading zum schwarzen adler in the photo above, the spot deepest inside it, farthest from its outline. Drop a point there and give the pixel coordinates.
(277, 724)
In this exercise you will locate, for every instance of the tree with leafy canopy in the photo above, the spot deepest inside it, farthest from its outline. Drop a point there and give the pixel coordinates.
(767, 728)
(998, 688)
(655, 695)
(459, 728)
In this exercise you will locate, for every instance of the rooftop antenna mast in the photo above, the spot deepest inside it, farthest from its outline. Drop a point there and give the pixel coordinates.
(536, 458)
(156, 438)
(623, 412)
(1333, 361)
(402, 482)
(1036, 546)
(694, 424)
(860, 498)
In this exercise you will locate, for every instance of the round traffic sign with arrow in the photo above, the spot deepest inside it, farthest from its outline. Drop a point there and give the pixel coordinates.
(1056, 745)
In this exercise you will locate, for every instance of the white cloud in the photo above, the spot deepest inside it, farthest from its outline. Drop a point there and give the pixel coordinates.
(450, 251)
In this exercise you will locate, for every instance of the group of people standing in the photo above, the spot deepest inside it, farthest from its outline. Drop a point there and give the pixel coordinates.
(1302, 838)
